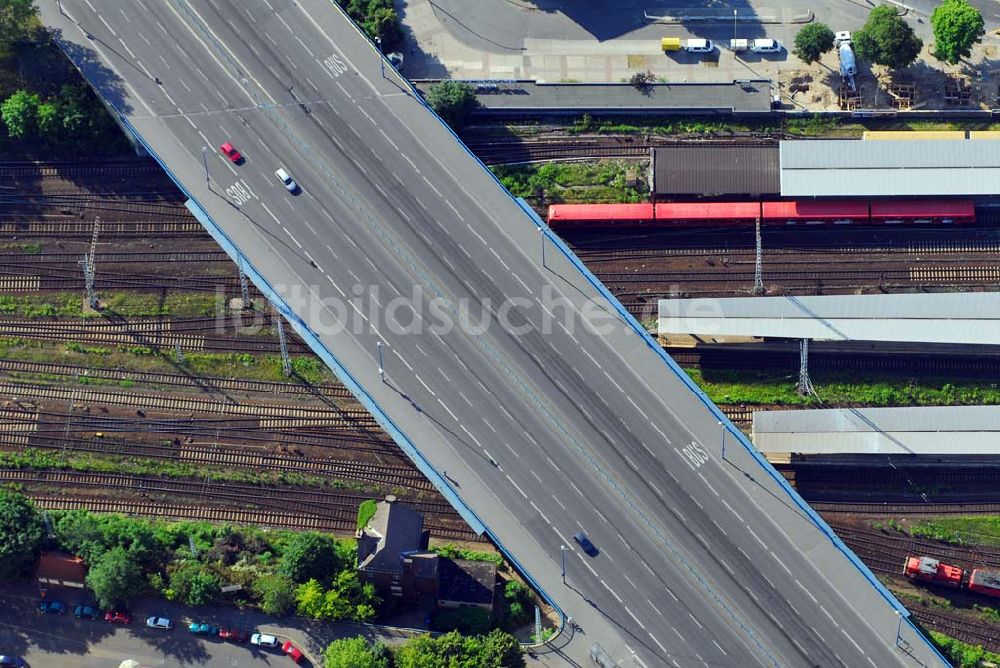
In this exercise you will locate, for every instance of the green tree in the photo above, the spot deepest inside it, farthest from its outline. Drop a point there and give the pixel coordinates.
(309, 556)
(310, 600)
(20, 113)
(887, 39)
(355, 653)
(812, 42)
(21, 534)
(495, 650)
(957, 26)
(453, 101)
(78, 532)
(276, 594)
(500, 649)
(192, 584)
(115, 579)
(49, 120)
(18, 22)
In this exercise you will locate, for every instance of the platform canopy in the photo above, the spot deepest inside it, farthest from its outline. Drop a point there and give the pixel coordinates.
(851, 168)
(924, 430)
(957, 318)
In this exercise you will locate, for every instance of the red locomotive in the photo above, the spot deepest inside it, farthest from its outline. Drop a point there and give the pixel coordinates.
(929, 569)
(742, 214)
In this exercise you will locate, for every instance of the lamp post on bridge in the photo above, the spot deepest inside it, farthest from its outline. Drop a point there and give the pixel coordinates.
(562, 548)
(381, 368)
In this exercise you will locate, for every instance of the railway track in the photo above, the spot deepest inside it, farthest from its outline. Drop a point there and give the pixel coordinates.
(175, 511)
(210, 383)
(286, 498)
(28, 261)
(138, 228)
(326, 417)
(15, 169)
(960, 627)
(896, 548)
(581, 147)
(838, 508)
(223, 455)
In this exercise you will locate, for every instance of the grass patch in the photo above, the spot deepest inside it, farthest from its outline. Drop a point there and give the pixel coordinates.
(366, 511)
(601, 181)
(125, 304)
(38, 459)
(962, 655)
(454, 552)
(245, 366)
(761, 387)
(974, 530)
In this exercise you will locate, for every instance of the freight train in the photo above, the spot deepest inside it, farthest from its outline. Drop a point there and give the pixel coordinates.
(742, 214)
(928, 569)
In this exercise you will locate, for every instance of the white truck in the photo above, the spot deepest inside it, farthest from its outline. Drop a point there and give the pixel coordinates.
(848, 64)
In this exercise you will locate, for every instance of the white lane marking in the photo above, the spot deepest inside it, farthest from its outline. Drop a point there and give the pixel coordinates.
(412, 164)
(284, 23)
(781, 563)
(721, 530)
(658, 644)
(727, 567)
(445, 406)
(452, 206)
(478, 235)
(443, 374)
(808, 593)
(730, 508)
(313, 86)
(630, 614)
(552, 463)
(472, 436)
(107, 25)
(426, 387)
(641, 412)
(92, 8)
(191, 123)
(754, 534)
(829, 616)
(619, 387)
(512, 450)
(634, 586)
(707, 484)
(628, 459)
(368, 116)
(678, 634)
(126, 47)
(124, 15)
(853, 642)
(290, 236)
(404, 215)
(388, 139)
(598, 364)
(264, 206)
(308, 50)
(401, 359)
(654, 607)
(753, 596)
(589, 567)
(183, 83)
(695, 620)
(679, 514)
(571, 484)
(539, 511)
(433, 187)
(660, 432)
(565, 542)
(724, 653)
(418, 201)
(555, 498)
(668, 589)
(342, 293)
(516, 486)
(530, 292)
(145, 39)
(492, 428)
(821, 638)
(500, 260)
(466, 399)
(315, 262)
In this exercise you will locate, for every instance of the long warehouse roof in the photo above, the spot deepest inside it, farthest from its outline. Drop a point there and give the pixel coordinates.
(845, 168)
(716, 169)
(959, 318)
(958, 430)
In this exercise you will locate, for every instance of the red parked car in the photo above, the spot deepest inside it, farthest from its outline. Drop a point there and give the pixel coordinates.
(234, 156)
(117, 617)
(233, 634)
(293, 652)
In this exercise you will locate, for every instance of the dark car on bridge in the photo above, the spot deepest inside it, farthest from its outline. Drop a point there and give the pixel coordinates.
(585, 544)
(52, 608)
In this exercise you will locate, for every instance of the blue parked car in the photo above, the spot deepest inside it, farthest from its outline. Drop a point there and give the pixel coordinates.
(203, 629)
(85, 611)
(52, 608)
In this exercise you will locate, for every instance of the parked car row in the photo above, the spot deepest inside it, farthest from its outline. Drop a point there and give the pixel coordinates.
(761, 45)
(229, 633)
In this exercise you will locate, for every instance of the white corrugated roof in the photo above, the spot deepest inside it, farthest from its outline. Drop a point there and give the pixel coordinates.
(957, 430)
(957, 318)
(843, 168)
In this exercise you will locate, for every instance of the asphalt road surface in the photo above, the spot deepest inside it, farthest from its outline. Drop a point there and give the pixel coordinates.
(544, 427)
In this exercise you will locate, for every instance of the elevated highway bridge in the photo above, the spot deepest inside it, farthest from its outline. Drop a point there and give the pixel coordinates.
(560, 416)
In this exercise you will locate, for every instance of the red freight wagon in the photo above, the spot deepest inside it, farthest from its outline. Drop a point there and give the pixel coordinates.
(600, 215)
(811, 212)
(923, 211)
(706, 214)
(985, 582)
(929, 569)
